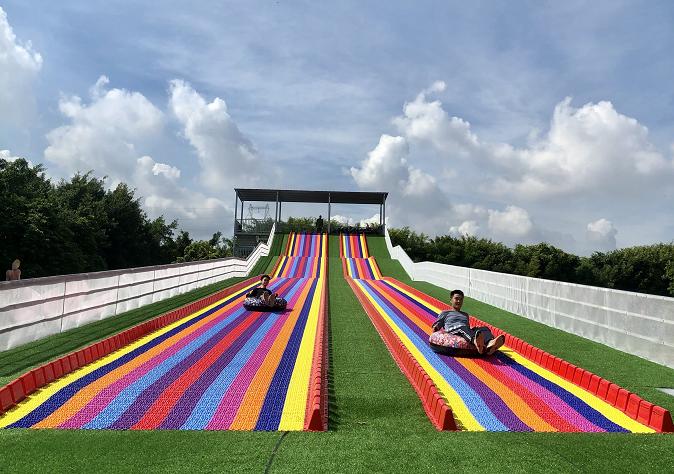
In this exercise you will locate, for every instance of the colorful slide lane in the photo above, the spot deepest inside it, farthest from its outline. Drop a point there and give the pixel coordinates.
(219, 368)
(358, 264)
(504, 392)
(305, 257)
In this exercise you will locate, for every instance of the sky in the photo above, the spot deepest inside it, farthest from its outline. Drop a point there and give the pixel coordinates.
(518, 121)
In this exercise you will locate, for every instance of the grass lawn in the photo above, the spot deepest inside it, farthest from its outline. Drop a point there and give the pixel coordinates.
(376, 420)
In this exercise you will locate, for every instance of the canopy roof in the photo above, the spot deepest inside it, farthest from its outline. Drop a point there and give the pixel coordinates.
(296, 195)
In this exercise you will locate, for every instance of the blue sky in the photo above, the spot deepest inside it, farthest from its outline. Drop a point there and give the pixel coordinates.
(517, 121)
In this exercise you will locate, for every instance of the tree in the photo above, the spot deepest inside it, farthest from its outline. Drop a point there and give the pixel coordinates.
(127, 231)
(181, 243)
(545, 261)
(81, 199)
(34, 227)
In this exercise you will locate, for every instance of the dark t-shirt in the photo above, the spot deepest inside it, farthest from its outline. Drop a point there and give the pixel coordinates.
(259, 291)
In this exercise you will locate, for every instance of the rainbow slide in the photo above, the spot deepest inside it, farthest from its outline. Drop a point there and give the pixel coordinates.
(517, 389)
(219, 368)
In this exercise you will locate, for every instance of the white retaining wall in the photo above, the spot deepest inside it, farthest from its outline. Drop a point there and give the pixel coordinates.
(636, 323)
(35, 308)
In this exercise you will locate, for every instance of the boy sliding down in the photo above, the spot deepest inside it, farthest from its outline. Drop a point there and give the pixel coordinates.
(262, 292)
(455, 321)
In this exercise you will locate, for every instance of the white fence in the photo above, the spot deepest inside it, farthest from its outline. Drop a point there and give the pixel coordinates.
(636, 323)
(35, 308)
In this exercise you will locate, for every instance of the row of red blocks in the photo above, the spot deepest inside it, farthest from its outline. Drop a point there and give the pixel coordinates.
(434, 405)
(317, 404)
(17, 390)
(630, 403)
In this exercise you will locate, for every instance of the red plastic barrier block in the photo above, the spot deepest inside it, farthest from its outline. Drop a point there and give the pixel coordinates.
(48, 374)
(81, 361)
(66, 365)
(28, 382)
(563, 367)
(88, 355)
(538, 356)
(6, 399)
(74, 361)
(602, 390)
(18, 393)
(633, 402)
(57, 367)
(555, 364)
(661, 420)
(570, 372)
(612, 393)
(644, 414)
(39, 377)
(94, 352)
(585, 382)
(594, 383)
(517, 344)
(621, 401)
(578, 375)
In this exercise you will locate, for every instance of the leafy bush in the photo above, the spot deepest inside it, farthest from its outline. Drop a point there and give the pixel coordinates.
(644, 269)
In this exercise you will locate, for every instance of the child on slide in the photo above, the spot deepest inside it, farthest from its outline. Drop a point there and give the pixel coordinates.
(455, 321)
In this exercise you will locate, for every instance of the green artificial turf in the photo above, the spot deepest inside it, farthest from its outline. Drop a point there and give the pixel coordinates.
(377, 423)
(389, 267)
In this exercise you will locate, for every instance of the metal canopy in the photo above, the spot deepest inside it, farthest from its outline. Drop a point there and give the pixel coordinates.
(296, 195)
(243, 228)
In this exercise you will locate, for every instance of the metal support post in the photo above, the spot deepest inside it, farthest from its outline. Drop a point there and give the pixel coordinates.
(329, 203)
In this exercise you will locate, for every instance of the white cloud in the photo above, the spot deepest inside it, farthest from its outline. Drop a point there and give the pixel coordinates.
(426, 121)
(169, 171)
(342, 219)
(19, 66)
(510, 226)
(514, 221)
(414, 198)
(7, 156)
(590, 149)
(387, 166)
(164, 195)
(226, 156)
(601, 234)
(109, 135)
(467, 229)
(105, 134)
(590, 159)
(370, 220)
